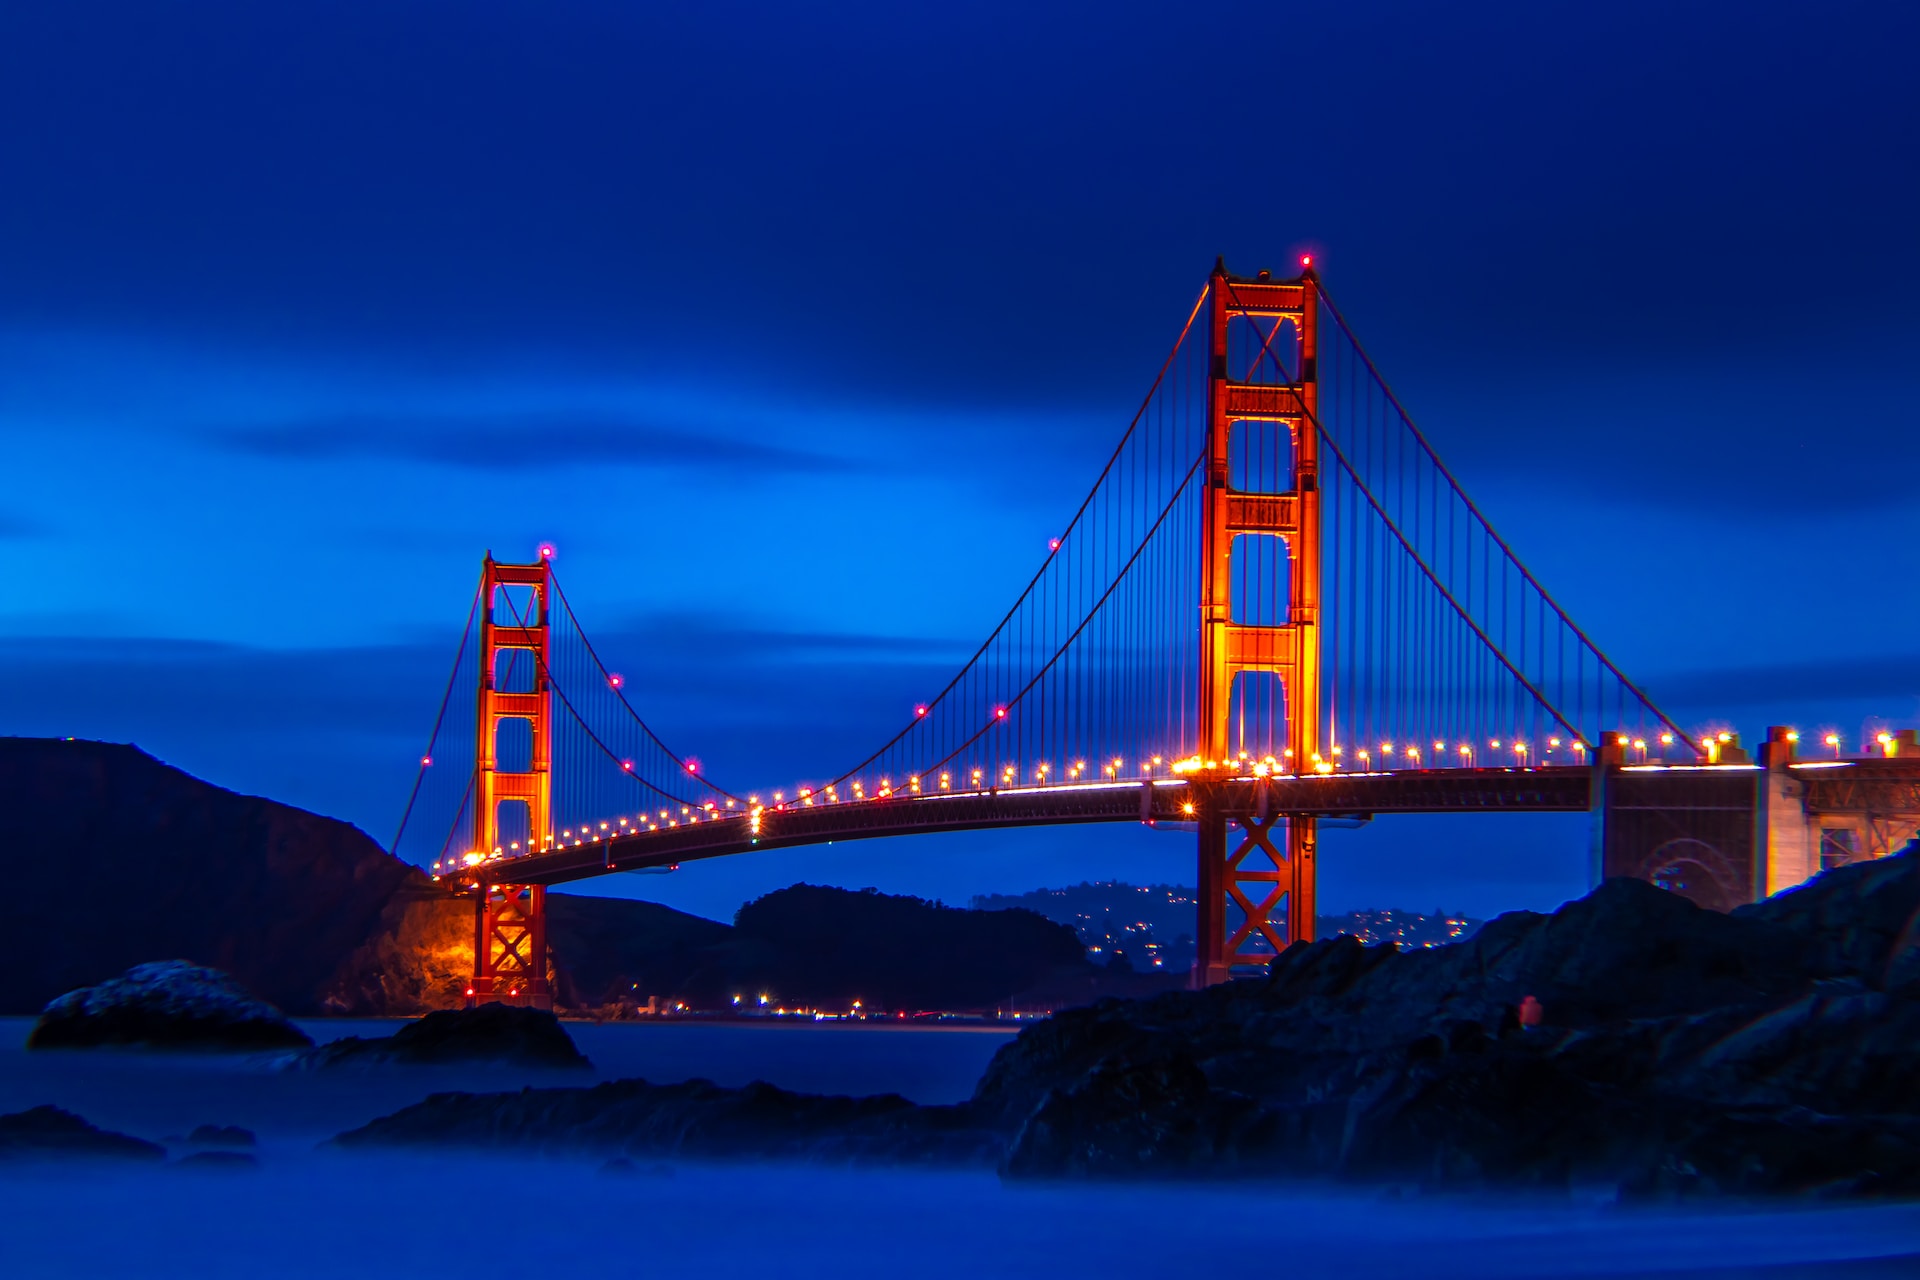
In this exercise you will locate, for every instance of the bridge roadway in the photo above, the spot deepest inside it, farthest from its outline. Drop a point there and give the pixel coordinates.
(1565, 789)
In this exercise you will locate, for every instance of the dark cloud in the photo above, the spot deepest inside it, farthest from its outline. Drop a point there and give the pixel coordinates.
(512, 442)
(1893, 678)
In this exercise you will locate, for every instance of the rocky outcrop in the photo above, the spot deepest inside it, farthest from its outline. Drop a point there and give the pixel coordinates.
(166, 1005)
(493, 1033)
(1680, 1052)
(50, 1132)
(696, 1119)
(128, 859)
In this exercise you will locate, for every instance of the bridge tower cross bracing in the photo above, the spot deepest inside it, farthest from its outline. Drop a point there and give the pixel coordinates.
(1245, 869)
(510, 920)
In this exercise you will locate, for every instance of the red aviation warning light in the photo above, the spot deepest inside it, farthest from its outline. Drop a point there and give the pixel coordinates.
(1053, 544)
(1306, 260)
(615, 680)
(693, 766)
(999, 713)
(920, 709)
(548, 550)
(426, 762)
(628, 766)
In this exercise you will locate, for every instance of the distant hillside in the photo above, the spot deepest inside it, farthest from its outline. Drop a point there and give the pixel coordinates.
(820, 946)
(1150, 927)
(114, 858)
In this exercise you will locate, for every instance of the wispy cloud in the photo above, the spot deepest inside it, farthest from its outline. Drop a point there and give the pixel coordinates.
(16, 526)
(512, 442)
(1765, 684)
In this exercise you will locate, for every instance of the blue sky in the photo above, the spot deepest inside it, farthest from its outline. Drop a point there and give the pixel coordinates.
(303, 307)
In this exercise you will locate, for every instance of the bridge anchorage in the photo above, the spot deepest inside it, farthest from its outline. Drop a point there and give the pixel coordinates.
(1275, 604)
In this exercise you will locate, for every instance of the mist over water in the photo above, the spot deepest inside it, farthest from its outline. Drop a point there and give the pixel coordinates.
(309, 1212)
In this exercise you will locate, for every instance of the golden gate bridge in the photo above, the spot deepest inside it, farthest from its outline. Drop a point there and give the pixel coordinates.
(1274, 605)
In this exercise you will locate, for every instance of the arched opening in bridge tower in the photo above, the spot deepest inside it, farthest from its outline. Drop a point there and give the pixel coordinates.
(515, 671)
(513, 745)
(515, 819)
(1260, 457)
(1257, 714)
(1262, 349)
(1262, 589)
(515, 606)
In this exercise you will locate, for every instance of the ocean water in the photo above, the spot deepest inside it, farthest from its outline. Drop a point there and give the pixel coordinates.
(307, 1212)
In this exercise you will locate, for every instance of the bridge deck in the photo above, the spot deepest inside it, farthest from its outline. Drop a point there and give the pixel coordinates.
(1556, 789)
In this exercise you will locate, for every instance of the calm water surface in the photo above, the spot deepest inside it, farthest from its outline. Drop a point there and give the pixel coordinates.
(309, 1213)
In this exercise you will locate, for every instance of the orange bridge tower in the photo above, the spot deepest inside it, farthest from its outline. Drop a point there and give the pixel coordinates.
(1269, 883)
(510, 921)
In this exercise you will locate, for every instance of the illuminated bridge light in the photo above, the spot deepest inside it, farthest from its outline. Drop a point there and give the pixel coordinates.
(615, 679)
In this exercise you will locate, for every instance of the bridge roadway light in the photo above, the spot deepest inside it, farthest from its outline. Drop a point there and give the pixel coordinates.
(1833, 740)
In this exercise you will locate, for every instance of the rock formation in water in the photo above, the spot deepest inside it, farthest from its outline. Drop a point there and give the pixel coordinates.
(493, 1033)
(50, 1132)
(695, 1118)
(169, 1004)
(1680, 1052)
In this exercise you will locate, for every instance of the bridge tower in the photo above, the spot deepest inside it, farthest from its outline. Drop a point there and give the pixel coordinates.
(1270, 882)
(510, 920)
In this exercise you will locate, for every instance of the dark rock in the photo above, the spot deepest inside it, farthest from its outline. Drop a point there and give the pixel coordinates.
(49, 1131)
(165, 1005)
(493, 1033)
(1681, 1052)
(220, 1135)
(132, 859)
(1858, 922)
(219, 1162)
(307, 911)
(695, 1118)
(1127, 1118)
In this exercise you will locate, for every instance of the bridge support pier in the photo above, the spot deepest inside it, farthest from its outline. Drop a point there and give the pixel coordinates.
(510, 946)
(1256, 889)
